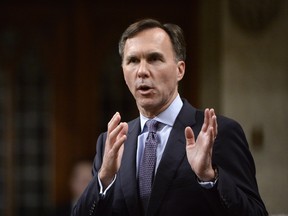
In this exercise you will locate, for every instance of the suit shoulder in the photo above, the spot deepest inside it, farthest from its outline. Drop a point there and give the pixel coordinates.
(222, 120)
(133, 121)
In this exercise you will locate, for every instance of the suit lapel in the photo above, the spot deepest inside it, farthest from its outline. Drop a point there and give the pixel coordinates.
(128, 169)
(174, 153)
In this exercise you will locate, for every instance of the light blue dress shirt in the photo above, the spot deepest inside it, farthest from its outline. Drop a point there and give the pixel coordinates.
(166, 121)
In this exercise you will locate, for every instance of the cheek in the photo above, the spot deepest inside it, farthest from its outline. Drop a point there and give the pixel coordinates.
(169, 81)
(128, 81)
(168, 85)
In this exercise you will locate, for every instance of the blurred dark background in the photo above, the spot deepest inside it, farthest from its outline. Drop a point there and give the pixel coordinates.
(60, 83)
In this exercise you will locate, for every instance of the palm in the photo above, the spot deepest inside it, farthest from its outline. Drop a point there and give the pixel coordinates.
(199, 151)
(116, 135)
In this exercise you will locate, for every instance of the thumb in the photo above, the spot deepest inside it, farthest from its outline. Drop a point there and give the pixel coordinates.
(189, 135)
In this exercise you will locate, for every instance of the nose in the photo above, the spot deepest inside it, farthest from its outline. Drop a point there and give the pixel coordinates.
(143, 69)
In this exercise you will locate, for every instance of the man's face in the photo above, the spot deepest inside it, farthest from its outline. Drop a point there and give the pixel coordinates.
(151, 71)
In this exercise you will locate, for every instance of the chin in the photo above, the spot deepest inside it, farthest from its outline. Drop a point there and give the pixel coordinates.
(146, 103)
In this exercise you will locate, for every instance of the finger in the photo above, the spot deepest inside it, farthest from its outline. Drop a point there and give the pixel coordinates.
(118, 131)
(115, 141)
(114, 122)
(124, 130)
(118, 144)
(206, 120)
(189, 135)
(215, 126)
(211, 135)
(213, 123)
(120, 153)
(211, 114)
(113, 118)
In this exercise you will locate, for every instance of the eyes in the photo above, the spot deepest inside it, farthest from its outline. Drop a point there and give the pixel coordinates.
(132, 60)
(152, 58)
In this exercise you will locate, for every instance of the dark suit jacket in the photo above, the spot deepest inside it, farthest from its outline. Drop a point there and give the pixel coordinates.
(176, 191)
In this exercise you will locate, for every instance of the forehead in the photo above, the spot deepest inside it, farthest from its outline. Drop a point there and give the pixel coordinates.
(155, 39)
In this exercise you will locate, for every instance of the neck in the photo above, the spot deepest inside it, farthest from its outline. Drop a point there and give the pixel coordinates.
(151, 112)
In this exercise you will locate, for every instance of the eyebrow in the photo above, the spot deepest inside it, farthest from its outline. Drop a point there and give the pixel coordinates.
(156, 54)
(149, 55)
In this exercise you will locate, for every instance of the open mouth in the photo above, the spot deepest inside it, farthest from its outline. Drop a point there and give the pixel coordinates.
(144, 89)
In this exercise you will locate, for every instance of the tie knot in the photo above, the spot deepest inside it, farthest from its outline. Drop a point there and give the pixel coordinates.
(152, 125)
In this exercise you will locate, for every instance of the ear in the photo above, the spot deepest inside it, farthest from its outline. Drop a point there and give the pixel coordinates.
(181, 70)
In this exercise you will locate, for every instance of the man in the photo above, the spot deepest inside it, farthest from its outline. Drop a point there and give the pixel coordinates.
(203, 165)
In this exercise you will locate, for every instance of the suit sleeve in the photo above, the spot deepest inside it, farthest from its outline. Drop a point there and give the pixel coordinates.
(237, 187)
(91, 202)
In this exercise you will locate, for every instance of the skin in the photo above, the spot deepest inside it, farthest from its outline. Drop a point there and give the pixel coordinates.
(152, 73)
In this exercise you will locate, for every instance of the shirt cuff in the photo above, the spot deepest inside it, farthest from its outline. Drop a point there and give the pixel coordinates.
(207, 185)
(103, 193)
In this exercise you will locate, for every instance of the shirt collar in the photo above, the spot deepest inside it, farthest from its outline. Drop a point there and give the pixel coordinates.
(168, 116)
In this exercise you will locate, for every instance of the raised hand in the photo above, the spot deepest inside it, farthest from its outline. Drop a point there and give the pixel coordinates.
(199, 152)
(116, 136)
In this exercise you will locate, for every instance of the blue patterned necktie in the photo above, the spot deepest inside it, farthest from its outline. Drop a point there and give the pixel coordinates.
(147, 165)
